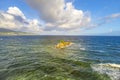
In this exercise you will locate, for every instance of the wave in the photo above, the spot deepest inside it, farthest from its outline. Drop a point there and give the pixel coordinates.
(111, 69)
(76, 46)
(1, 39)
(82, 49)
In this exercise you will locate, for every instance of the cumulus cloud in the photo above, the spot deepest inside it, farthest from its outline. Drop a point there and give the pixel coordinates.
(60, 15)
(14, 19)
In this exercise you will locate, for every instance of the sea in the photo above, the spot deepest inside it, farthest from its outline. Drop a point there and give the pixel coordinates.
(36, 58)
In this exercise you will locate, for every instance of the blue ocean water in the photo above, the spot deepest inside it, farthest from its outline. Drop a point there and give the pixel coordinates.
(36, 58)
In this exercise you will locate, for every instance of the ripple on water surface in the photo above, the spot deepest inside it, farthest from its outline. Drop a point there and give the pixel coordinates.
(36, 58)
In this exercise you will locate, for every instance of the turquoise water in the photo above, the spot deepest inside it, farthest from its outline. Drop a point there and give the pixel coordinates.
(36, 58)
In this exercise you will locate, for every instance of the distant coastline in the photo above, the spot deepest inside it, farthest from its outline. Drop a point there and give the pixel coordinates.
(14, 33)
(7, 32)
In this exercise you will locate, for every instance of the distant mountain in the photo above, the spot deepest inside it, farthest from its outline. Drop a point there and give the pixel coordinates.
(8, 32)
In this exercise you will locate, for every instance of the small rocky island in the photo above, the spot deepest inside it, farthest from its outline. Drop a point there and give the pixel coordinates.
(63, 44)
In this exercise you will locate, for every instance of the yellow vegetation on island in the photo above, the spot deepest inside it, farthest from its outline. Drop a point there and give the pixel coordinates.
(63, 44)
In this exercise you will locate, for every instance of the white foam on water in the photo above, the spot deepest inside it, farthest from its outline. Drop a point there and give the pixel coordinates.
(100, 51)
(1, 39)
(82, 48)
(108, 45)
(112, 70)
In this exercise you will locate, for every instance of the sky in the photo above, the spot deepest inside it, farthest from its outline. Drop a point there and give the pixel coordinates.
(61, 17)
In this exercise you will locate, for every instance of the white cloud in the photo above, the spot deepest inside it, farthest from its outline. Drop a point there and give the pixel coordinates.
(15, 11)
(104, 20)
(60, 15)
(14, 19)
(110, 30)
(110, 18)
(57, 16)
(113, 16)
